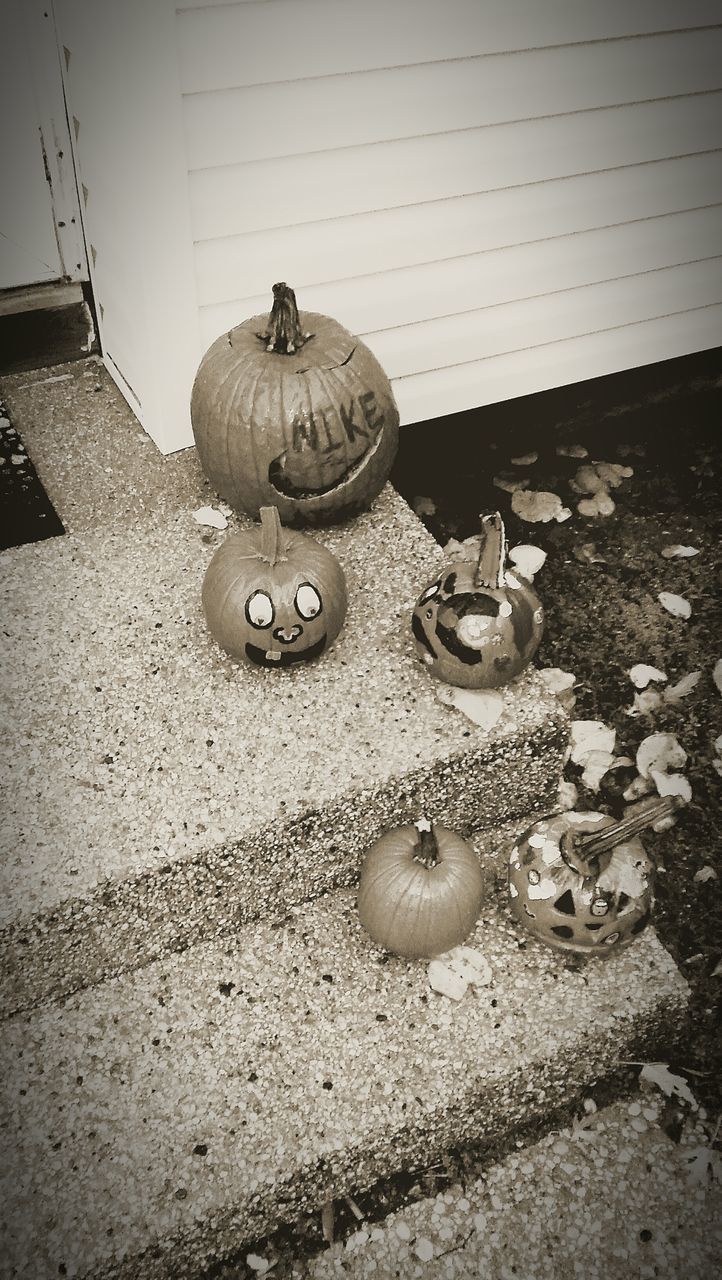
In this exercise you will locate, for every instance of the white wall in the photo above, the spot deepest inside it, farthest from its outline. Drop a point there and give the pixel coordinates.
(499, 196)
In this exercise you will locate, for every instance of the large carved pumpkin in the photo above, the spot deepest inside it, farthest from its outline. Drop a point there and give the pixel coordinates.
(478, 625)
(293, 411)
(273, 597)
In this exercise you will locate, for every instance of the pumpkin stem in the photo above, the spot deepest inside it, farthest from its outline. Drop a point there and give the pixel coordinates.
(490, 569)
(583, 852)
(273, 543)
(284, 326)
(426, 849)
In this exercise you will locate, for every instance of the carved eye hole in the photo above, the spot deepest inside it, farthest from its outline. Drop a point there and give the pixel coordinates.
(307, 602)
(259, 609)
(428, 594)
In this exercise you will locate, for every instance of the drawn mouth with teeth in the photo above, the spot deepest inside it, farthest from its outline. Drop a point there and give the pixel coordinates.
(284, 657)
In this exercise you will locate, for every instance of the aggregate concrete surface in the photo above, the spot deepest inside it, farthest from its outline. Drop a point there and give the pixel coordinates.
(608, 1198)
(166, 1116)
(158, 792)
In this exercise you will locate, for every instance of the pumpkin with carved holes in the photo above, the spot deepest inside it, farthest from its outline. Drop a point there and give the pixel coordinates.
(274, 597)
(292, 410)
(478, 625)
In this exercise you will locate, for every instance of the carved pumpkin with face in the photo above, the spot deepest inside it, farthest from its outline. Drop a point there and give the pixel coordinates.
(292, 409)
(478, 626)
(272, 597)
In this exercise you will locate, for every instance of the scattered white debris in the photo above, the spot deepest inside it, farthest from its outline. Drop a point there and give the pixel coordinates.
(704, 874)
(717, 674)
(483, 706)
(424, 506)
(588, 736)
(596, 764)
(572, 451)
(510, 483)
(677, 550)
(567, 796)
(451, 973)
(527, 560)
(600, 504)
(467, 550)
(539, 507)
(641, 674)
(560, 683)
(525, 460)
(676, 605)
(645, 703)
(660, 752)
(671, 784)
(675, 692)
(210, 517)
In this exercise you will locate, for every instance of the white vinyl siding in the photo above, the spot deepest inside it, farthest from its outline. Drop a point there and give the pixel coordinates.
(499, 196)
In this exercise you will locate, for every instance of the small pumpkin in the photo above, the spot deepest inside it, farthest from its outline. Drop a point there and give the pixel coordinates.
(273, 597)
(582, 882)
(478, 625)
(420, 890)
(293, 410)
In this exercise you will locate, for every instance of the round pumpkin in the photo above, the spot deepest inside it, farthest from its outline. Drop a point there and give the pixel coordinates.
(420, 890)
(582, 882)
(292, 410)
(273, 597)
(478, 625)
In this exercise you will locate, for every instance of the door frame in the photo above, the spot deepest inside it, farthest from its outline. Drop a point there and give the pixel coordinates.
(44, 53)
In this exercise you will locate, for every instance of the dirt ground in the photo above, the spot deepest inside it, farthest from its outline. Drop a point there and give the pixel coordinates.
(599, 587)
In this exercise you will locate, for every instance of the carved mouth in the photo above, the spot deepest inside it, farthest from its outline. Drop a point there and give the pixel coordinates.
(285, 485)
(274, 658)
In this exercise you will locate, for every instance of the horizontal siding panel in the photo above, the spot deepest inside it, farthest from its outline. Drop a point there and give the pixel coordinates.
(378, 106)
(530, 322)
(458, 285)
(297, 189)
(556, 364)
(242, 266)
(231, 46)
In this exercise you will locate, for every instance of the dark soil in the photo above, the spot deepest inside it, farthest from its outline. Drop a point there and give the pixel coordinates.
(599, 587)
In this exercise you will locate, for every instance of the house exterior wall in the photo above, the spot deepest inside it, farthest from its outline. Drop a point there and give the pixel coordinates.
(498, 196)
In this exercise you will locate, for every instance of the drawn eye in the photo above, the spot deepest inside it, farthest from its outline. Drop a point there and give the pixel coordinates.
(259, 609)
(307, 602)
(428, 594)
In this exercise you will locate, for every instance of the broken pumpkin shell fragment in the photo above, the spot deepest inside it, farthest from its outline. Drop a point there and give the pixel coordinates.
(674, 604)
(641, 674)
(538, 507)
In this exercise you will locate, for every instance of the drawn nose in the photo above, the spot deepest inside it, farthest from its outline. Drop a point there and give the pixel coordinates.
(287, 635)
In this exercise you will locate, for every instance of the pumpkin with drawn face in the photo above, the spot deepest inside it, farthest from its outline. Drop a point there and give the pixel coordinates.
(478, 625)
(272, 597)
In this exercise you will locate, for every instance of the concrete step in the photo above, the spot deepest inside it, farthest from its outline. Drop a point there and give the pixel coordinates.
(162, 1119)
(157, 793)
(606, 1198)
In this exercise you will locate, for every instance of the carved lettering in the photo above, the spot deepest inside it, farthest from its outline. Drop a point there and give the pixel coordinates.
(369, 408)
(304, 432)
(331, 445)
(351, 428)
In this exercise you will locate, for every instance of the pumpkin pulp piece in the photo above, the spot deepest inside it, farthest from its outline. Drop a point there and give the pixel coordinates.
(583, 852)
(273, 543)
(490, 568)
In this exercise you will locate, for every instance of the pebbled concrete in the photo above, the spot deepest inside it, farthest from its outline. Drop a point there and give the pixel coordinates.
(156, 793)
(159, 1121)
(607, 1198)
